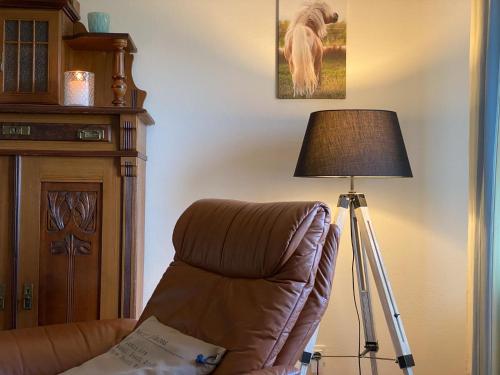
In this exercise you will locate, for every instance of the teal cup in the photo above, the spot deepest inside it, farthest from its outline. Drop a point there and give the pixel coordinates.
(98, 22)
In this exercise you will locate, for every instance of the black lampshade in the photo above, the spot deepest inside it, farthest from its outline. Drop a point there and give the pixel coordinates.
(353, 143)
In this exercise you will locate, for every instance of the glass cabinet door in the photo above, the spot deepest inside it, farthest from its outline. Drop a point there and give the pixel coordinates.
(30, 57)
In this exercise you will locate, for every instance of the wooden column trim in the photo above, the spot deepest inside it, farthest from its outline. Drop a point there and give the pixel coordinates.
(129, 167)
(119, 79)
(129, 196)
(128, 133)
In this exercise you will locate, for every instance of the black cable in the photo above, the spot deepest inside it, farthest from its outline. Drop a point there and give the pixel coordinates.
(357, 311)
(317, 366)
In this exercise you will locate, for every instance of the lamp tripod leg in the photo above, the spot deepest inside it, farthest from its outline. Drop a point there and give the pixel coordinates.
(371, 342)
(365, 247)
(387, 299)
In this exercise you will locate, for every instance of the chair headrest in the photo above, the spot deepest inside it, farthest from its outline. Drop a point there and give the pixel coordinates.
(241, 239)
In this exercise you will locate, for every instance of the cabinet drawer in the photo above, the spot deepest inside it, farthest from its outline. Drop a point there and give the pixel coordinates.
(27, 131)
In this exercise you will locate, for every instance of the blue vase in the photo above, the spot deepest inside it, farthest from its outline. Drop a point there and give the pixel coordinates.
(98, 22)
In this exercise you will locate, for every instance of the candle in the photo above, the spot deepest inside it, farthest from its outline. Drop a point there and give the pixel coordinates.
(79, 88)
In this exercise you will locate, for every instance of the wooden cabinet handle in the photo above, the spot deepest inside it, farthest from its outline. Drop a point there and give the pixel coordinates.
(16, 130)
(91, 134)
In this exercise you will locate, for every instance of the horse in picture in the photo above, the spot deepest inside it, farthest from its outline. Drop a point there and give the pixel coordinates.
(304, 47)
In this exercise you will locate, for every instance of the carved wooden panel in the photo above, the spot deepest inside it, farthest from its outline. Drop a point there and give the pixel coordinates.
(70, 252)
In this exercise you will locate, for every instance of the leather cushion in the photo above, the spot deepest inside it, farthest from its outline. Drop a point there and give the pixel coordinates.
(52, 349)
(241, 239)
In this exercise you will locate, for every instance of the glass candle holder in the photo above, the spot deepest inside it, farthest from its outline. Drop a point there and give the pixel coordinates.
(79, 88)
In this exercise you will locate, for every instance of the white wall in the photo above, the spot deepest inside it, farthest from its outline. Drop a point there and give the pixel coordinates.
(208, 66)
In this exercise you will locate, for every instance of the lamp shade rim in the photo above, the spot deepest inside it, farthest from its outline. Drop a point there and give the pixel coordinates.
(353, 110)
(357, 176)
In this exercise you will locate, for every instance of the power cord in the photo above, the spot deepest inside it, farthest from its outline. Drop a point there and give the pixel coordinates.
(317, 356)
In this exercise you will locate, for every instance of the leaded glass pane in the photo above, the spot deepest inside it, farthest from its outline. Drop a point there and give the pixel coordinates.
(10, 68)
(41, 68)
(26, 31)
(11, 30)
(26, 68)
(42, 31)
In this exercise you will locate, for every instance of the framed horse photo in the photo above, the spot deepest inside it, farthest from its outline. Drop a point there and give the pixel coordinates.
(311, 49)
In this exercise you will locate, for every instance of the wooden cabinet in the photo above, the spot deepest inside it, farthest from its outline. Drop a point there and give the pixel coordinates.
(71, 178)
(71, 214)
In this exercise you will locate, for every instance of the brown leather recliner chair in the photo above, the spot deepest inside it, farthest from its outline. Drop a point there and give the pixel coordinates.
(253, 278)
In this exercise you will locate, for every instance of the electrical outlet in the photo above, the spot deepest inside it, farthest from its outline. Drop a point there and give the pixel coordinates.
(319, 348)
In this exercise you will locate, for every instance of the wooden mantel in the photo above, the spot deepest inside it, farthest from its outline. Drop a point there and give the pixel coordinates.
(54, 109)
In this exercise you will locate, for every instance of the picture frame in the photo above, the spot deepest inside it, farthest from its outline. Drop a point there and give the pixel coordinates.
(311, 49)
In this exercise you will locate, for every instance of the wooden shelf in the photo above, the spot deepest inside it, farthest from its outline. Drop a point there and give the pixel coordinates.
(99, 41)
(69, 153)
(61, 109)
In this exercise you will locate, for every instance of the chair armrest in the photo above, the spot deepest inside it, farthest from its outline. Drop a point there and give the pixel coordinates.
(277, 370)
(49, 350)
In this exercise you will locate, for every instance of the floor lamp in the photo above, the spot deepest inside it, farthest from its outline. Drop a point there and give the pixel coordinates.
(361, 143)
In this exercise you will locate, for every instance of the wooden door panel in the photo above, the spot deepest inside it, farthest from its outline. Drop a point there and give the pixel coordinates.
(6, 254)
(70, 249)
(70, 239)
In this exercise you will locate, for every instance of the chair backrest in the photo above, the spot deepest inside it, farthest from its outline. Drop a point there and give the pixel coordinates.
(254, 278)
